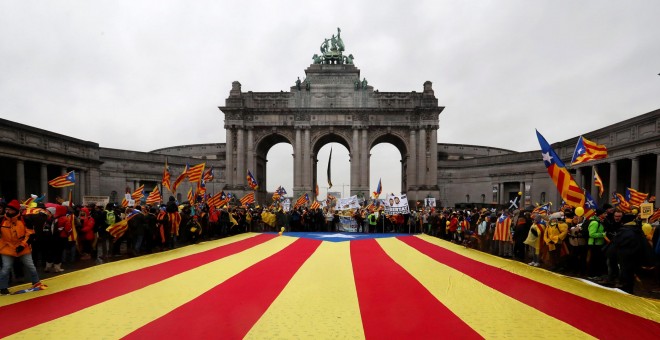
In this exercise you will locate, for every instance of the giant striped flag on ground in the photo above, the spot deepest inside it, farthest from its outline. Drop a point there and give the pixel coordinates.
(65, 180)
(324, 286)
(568, 189)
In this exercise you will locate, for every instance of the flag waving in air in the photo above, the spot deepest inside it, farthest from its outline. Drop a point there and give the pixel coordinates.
(209, 175)
(154, 196)
(180, 179)
(138, 193)
(252, 182)
(247, 199)
(599, 183)
(568, 189)
(635, 197)
(379, 189)
(66, 180)
(195, 173)
(329, 177)
(166, 177)
(303, 199)
(586, 150)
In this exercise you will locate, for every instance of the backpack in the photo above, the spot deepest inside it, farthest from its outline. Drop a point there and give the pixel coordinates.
(109, 217)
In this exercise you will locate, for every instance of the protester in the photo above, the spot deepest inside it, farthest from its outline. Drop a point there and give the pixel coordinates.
(15, 243)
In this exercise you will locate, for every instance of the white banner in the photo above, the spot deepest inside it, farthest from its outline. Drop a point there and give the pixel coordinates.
(429, 202)
(347, 224)
(348, 203)
(396, 204)
(286, 205)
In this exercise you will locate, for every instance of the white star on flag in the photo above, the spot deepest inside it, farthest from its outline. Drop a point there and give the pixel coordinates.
(547, 158)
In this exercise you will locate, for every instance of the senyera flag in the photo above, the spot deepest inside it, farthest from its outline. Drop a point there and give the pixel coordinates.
(599, 183)
(166, 181)
(327, 286)
(154, 196)
(195, 173)
(180, 178)
(65, 180)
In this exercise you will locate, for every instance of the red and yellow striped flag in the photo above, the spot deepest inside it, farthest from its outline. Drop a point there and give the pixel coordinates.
(138, 193)
(195, 173)
(154, 196)
(255, 285)
(180, 179)
(247, 199)
(599, 183)
(567, 187)
(65, 180)
(165, 182)
(315, 205)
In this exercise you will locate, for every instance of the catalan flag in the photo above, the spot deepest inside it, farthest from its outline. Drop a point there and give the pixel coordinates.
(248, 199)
(655, 216)
(201, 187)
(118, 229)
(195, 173)
(599, 183)
(166, 177)
(315, 205)
(568, 189)
(329, 172)
(303, 199)
(621, 203)
(502, 229)
(214, 201)
(209, 175)
(180, 179)
(586, 150)
(154, 196)
(542, 209)
(138, 193)
(66, 180)
(635, 197)
(384, 286)
(590, 206)
(379, 189)
(191, 196)
(252, 182)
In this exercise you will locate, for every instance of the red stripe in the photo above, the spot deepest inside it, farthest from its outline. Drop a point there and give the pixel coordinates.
(56, 305)
(229, 310)
(599, 320)
(394, 305)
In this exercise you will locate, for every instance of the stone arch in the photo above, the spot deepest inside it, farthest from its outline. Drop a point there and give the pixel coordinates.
(322, 138)
(263, 144)
(398, 139)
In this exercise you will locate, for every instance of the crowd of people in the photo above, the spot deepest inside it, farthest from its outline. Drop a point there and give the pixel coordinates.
(610, 247)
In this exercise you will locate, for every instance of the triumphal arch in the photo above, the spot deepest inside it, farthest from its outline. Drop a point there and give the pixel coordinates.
(332, 104)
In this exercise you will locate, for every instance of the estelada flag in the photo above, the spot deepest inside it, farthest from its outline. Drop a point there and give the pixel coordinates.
(303, 199)
(252, 285)
(66, 180)
(635, 197)
(503, 229)
(568, 189)
(209, 175)
(138, 193)
(586, 150)
(251, 181)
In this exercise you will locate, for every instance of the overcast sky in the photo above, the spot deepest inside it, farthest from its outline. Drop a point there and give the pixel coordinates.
(143, 75)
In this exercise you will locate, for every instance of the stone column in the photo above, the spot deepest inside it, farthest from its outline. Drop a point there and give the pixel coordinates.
(657, 177)
(307, 161)
(613, 177)
(500, 194)
(433, 160)
(250, 151)
(82, 187)
(634, 173)
(578, 177)
(355, 159)
(364, 162)
(594, 188)
(229, 161)
(43, 179)
(64, 192)
(297, 158)
(412, 160)
(20, 180)
(240, 158)
(421, 162)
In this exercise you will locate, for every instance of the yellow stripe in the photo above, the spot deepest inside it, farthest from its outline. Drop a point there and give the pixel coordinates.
(645, 308)
(118, 317)
(107, 270)
(495, 315)
(320, 301)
